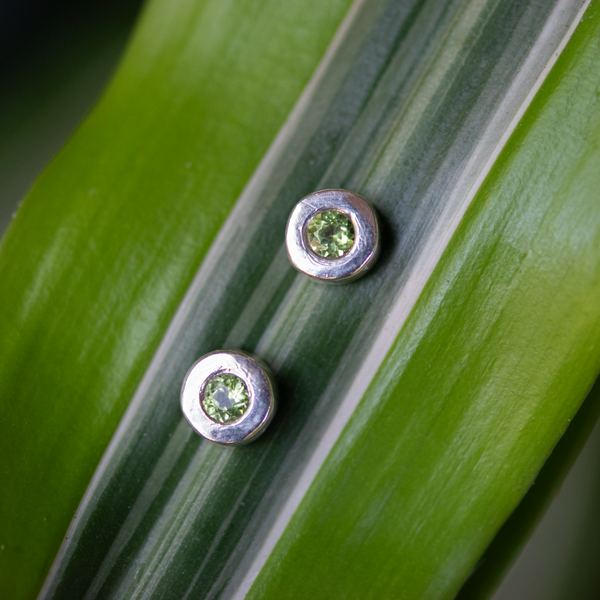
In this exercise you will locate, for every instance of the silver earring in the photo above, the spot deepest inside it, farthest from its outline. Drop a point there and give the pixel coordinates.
(333, 235)
(228, 397)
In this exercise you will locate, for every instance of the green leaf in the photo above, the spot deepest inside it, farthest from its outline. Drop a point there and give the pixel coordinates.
(418, 404)
(103, 249)
(416, 132)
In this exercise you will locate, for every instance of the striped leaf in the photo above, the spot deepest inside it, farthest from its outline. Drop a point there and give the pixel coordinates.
(418, 404)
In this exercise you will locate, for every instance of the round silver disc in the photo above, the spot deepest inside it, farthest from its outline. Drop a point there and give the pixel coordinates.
(357, 260)
(260, 388)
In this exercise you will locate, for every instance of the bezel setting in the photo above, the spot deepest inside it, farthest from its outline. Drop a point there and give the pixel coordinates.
(361, 256)
(261, 389)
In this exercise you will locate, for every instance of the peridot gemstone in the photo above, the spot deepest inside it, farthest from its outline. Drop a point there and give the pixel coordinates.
(330, 234)
(225, 398)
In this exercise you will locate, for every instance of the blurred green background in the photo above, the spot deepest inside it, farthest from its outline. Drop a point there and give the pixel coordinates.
(55, 59)
(561, 559)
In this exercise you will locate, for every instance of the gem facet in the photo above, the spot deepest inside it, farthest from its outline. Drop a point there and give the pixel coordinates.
(225, 398)
(330, 234)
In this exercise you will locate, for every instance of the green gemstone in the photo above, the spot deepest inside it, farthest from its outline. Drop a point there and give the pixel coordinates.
(225, 398)
(330, 234)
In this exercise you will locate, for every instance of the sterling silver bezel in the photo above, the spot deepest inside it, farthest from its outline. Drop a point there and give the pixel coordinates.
(361, 256)
(261, 390)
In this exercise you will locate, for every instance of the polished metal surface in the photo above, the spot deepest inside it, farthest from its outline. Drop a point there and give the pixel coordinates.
(260, 386)
(361, 256)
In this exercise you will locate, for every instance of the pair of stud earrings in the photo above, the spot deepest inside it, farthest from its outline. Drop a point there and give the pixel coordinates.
(229, 397)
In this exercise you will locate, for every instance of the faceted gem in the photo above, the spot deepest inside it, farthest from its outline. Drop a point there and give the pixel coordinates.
(225, 398)
(330, 234)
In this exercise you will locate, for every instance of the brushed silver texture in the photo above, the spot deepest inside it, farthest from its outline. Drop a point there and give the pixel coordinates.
(261, 388)
(357, 261)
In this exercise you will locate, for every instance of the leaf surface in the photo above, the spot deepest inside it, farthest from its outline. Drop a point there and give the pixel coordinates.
(372, 481)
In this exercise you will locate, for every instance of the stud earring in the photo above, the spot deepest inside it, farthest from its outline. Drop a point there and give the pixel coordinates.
(228, 397)
(333, 235)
